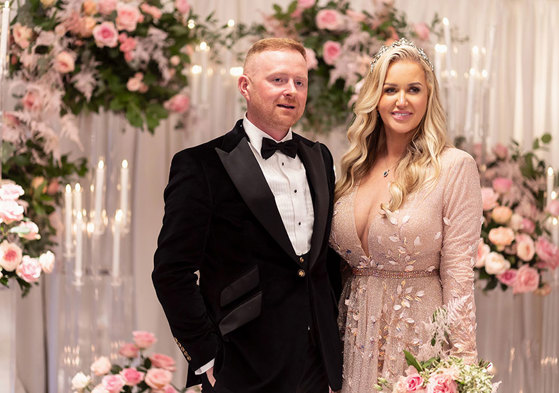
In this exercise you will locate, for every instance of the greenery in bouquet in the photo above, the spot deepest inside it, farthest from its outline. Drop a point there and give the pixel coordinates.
(340, 44)
(17, 236)
(140, 373)
(516, 247)
(86, 55)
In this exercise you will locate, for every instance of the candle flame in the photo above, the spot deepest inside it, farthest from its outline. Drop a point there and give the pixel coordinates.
(550, 171)
(191, 24)
(196, 69)
(555, 221)
(440, 48)
(90, 227)
(119, 215)
(68, 188)
(236, 71)
(475, 50)
(101, 164)
(445, 21)
(78, 187)
(553, 195)
(231, 23)
(203, 46)
(124, 164)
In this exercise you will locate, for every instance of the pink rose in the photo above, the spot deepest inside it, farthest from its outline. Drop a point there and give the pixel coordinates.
(501, 214)
(182, 6)
(501, 151)
(312, 63)
(129, 350)
(525, 248)
(128, 45)
(170, 389)
(162, 361)
(331, 51)
(132, 376)
(527, 280)
(489, 198)
(46, 260)
(157, 378)
(304, 4)
(329, 20)
(89, 7)
(32, 228)
(508, 277)
(501, 237)
(106, 6)
(10, 211)
(553, 207)
(482, 251)
(175, 60)
(143, 339)
(516, 222)
(548, 252)
(29, 269)
(496, 264)
(22, 35)
(113, 383)
(64, 62)
(155, 12)
(356, 16)
(87, 24)
(422, 31)
(528, 226)
(134, 84)
(31, 101)
(413, 383)
(442, 383)
(179, 103)
(105, 34)
(10, 191)
(127, 17)
(10, 256)
(101, 366)
(128, 56)
(502, 184)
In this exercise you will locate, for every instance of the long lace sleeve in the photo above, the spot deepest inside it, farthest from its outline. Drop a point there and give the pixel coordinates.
(462, 212)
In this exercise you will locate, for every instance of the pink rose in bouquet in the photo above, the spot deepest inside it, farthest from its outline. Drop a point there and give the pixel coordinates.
(10, 211)
(482, 251)
(547, 252)
(501, 214)
(179, 103)
(312, 63)
(29, 269)
(10, 192)
(33, 230)
(508, 277)
(128, 16)
(414, 383)
(143, 339)
(501, 237)
(113, 383)
(64, 62)
(528, 226)
(304, 4)
(525, 248)
(105, 34)
(107, 6)
(331, 51)
(10, 256)
(101, 366)
(553, 207)
(442, 383)
(422, 30)
(527, 280)
(159, 360)
(182, 6)
(22, 35)
(329, 20)
(489, 198)
(501, 151)
(502, 184)
(129, 350)
(89, 7)
(155, 12)
(31, 101)
(132, 376)
(495, 263)
(157, 378)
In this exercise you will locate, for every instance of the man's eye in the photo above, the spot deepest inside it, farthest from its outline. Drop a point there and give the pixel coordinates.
(278, 80)
(300, 83)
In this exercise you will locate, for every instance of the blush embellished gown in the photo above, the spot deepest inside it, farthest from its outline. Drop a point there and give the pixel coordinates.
(420, 257)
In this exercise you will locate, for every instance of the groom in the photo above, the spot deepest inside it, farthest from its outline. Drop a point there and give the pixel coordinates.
(251, 211)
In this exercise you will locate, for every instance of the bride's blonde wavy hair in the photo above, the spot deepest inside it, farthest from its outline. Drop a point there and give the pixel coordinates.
(420, 166)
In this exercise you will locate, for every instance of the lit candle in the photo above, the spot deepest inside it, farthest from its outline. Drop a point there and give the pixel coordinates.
(448, 42)
(4, 37)
(471, 91)
(439, 49)
(489, 53)
(228, 53)
(195, 72)
(116, 244)
(124, 191)
(77, 198)
(78, 269)
(449, 72)
(68, 219)
(99, 180)
(204, 51)
(550, 184)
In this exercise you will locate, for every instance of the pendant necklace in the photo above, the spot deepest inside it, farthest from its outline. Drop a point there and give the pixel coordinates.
(386, 172)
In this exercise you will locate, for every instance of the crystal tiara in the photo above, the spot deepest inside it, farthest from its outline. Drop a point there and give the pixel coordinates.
(401, 42)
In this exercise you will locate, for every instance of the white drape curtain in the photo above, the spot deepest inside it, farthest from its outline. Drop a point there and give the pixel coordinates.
(523, 102)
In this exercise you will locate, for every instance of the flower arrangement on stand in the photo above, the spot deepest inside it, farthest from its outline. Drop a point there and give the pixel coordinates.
(340, 43)
(140, 373)
(84, 55)
(516, 248)
(441, 372)
(17, 232)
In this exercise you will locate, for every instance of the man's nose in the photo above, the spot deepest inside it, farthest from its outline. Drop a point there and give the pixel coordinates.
(291, 89)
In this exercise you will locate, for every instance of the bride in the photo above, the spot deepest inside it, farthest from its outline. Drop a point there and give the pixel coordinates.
(407, 220)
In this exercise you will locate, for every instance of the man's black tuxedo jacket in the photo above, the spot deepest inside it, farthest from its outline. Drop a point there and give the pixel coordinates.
(255, 299)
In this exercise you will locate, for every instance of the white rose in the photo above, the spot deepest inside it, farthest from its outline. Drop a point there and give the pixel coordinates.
(101, 366)
(495, 263)
(516, 222)
(47, 261)
(80, 381)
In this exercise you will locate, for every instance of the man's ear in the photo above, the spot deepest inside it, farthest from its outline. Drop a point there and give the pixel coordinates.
(242, 84)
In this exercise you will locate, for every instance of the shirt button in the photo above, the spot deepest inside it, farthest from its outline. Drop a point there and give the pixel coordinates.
(301, 259)
(295, 191)
(282, 164)
(299, 223)
(301, 273)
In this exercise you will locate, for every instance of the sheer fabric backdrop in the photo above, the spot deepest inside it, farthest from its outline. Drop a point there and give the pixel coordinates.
(524, 97)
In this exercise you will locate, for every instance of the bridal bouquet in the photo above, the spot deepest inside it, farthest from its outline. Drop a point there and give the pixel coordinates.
(84, 55)
(340, 43)
(516, 248)
(16, 233)
(140, 373)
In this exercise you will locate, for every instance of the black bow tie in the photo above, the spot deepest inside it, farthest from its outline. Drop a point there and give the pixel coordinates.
(269, 147)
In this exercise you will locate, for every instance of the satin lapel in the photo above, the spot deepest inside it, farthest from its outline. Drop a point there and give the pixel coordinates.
(244, 171)
(316, 175)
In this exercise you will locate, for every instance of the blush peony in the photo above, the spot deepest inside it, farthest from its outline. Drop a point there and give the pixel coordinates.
(527, 280)
(329, 20)
(157, 378)
(495, 263)
(331, 51)
(143, 339)
(105, 34)
(29, 269)
(10, 256)
(501, 237)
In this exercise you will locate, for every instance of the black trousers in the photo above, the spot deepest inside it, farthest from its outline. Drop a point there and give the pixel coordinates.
(314, 379)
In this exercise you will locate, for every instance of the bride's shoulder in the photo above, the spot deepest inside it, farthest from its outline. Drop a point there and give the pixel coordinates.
(452, 156)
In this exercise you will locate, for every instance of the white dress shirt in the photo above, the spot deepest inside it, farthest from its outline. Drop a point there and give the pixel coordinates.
(287, 178)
